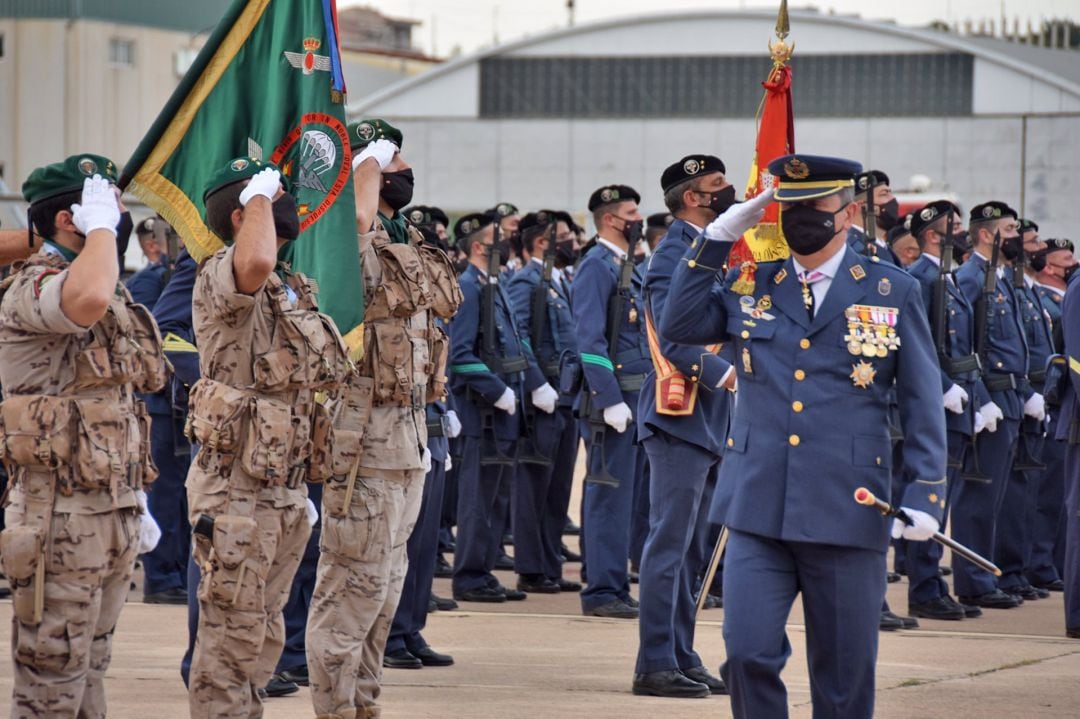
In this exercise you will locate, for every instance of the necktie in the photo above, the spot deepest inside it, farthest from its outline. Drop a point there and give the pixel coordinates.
(807, 279)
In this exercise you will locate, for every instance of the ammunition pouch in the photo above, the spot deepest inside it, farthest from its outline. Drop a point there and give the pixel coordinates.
(306, 351)
(438, 354)
(235, 541)
(125, 347)
(439, 427)
(22, 557)
(1037, 376)
(35, 431)
(216, 415)
(268, 440)
(405, 288)
(1055, 379)
(349, 427)
(570, 374)
(506, 365)
(388, 361)
(442, 278)
(103, 444)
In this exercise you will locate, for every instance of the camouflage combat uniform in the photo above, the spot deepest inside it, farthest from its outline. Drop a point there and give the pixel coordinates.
(78, 445)
(371, 503)
(259, 414)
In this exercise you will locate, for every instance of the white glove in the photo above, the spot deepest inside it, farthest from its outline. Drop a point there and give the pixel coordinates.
(425, 460)
(955, 398)
(448, 464)
(312, 513)
(382, 151)
(1035, 407)
(991, 414)
(738, 218)
(455, 425)
(618, 416)
(980, 422)
(922, 528)
(508, 402)
(99, 209)
(266, 183)
(149, 531)
(544, 398)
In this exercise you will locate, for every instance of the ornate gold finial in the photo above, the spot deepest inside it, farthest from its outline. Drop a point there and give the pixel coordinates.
(781, 52)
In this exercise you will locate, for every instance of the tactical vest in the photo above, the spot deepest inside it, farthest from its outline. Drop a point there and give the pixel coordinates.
(280, 427)
(94, 434)
(407, 286)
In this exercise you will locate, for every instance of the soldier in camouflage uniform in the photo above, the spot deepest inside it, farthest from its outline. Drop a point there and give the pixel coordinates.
(74, 349)
(260, 411)
(371, 504)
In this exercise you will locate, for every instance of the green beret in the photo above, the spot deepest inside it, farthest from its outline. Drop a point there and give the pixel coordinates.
(67, 176)
(238, 170)
(366, 131)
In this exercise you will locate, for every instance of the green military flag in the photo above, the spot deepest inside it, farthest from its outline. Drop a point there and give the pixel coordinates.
(267, 84)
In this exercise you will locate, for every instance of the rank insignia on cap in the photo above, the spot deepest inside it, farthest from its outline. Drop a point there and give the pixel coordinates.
(417, 216)
(467, 227)
(884, 287)
(796, 169)
(607, 194)
(862, 374)
(857, 272)
(863, 182)
(988, 211)
(87, 166)
(365, 131)
(928, 213)
(505, 209)
(239, 164)
(691, 167)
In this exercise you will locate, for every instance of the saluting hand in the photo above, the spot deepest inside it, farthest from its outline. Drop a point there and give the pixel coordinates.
(265, 183)
(382, 151)
(99, 209)
(738, 218)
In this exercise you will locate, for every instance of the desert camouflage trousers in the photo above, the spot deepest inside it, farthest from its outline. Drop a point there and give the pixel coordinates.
(60, 664)
(361, 571)
(241, 631)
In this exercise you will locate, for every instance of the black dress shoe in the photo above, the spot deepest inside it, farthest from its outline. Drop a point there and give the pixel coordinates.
(1072, 632)
(1024, 591)
(263, 695)
(571, 528)
(1043, 592)
(996, 599)
(444, 604)
(615, 609)
(701, 676)
(567, 585)
(569, 555)
(443, 568)
(401, 659)
(944, 571)
(432, 607)
(296, 675)
(431, 658)
(673, 684)
(1055, 586)
(278, 687)
(505, 561)
(176, 595)
(513, 595)
(634, 577)
(631, 602)
(890, 622)
(532, 584)
(936, 608)
(892, 577)
(905, 622)
(970, 611)
(481, 594)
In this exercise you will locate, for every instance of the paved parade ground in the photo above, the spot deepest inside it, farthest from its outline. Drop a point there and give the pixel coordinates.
(540, 658)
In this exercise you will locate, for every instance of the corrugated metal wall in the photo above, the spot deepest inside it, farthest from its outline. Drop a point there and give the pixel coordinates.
(190, 15)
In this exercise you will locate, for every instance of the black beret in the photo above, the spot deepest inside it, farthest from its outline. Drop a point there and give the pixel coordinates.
(471, 224)
(688, 168)
(929, 213)
(896, 233)
(538, 219)
(862, 180)
(993, 210)
(422, 215)
(1027, 225)
(504, 209)
(1060, 244)
(612, 193)
(659, 220)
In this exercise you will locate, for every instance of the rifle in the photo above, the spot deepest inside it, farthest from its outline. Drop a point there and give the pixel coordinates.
(1025, 461)
(984, 308)
(539, 297)
(940, 306)
(869, 219)
(489, 448)
(597, 466)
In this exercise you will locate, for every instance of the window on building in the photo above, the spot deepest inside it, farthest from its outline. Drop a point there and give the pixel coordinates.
(696, 86)
(122, 52)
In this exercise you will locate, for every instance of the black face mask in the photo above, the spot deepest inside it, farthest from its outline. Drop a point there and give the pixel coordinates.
(1011, 247)
(461, 265)
(807, 230)
(397, 188)
(722, 199)
(1068, 273)
(565, 254)
(286, 219)
(632, 230)
(888, 214)
(1037, 260)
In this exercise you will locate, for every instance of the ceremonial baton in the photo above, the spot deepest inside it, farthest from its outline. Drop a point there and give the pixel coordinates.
(865, 496)
(721, 542)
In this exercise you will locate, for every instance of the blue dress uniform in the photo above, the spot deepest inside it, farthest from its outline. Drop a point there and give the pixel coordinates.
(1013, 542)
(959, 366)
(809, 428)
(542, 494)
(976, 505)
(483, 501)
(147, 284)
(606, 510)
(684, 449)
(1068, 431)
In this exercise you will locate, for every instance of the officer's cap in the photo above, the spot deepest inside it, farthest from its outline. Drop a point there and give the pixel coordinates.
(659, 220)
(471, 224)
(68, 176)
(238, 170)
(504, 209)
(688, 168)
(1060, 244)
(990, 211)
(608, 194)
(1027, 225)
(928, 214)
(808, 177)
(864, 179)
(362, 133)
(423, 216)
